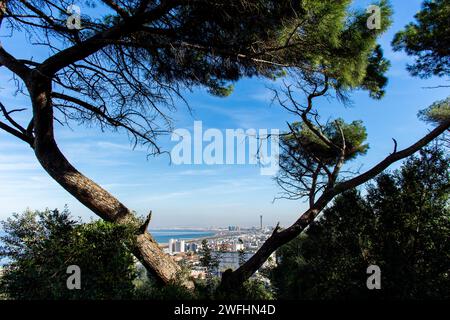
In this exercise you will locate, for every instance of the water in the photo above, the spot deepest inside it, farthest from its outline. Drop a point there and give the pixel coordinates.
(163, 236)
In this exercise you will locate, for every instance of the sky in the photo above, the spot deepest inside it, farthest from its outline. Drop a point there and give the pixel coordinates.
(206, 195)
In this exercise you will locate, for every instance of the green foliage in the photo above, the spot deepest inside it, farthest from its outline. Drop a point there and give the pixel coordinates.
(428, 39)
(438, 112)
(207, 258)
(221, 91)
(375, 80)
(339, 45)
(310, 35)
(402, 225)
(306, 143)
(214, 44)
(210, 261)
(357, 61)
(252, 289)
(206, 289)
(41, 245)
(149, 290)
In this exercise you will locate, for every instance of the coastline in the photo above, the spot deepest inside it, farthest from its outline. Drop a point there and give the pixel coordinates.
(214, 236)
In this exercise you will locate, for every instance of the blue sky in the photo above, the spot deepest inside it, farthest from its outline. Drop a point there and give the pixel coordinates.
(200, 195)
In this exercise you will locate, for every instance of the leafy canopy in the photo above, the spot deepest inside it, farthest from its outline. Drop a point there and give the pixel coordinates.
(129, 64)
(428, 39)
(306, 143)
(438, 112)
(39, 246)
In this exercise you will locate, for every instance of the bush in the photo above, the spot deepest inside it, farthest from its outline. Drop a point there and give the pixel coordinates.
(40, 246)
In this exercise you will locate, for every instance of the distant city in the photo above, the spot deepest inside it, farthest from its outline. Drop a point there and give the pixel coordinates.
(231, 246)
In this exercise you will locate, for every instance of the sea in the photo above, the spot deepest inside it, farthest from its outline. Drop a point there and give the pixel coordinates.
(164, 235)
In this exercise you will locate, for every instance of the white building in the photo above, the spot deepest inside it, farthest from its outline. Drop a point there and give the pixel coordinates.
(231, 260)
(176, 246)
(237, 246)
(179, 246)
(172, 246)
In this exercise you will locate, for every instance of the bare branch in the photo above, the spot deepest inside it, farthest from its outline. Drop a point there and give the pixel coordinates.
(17, 133)
(395, 145)
(144, 227)
(98, 41)
(115, 122)
(7, 116)
(13, 64)
(363, 178)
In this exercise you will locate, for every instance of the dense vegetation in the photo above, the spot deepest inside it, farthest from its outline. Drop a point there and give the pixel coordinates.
(402, 225)
(40, 246)
(428, 40)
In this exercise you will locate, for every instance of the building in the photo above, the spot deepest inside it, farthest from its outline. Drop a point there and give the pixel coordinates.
(171, 246)
(176, 246)
(231, 260)
(238, 246)
(192, 247)
(179, 246)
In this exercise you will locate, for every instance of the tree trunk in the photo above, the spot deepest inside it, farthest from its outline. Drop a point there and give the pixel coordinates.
(85, 190)
(235, 279)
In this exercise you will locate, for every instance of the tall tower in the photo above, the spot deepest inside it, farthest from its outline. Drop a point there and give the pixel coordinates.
(260, 220)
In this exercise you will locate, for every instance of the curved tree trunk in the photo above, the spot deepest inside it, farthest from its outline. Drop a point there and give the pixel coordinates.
(85, 190)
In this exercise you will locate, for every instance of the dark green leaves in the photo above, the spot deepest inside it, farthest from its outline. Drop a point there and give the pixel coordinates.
(402, 224)
(40, 246)
(428, 39)
(307, 144)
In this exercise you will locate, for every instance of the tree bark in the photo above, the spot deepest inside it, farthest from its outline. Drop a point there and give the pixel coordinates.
(82, 188)
(234, 279)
